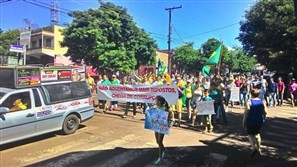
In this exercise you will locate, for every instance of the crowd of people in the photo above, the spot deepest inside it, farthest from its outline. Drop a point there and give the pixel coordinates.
(194, 88)
(256, 93)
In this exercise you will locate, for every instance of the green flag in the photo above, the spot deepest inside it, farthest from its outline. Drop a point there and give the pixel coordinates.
(215, 56)
(212, 61)
(206, 70)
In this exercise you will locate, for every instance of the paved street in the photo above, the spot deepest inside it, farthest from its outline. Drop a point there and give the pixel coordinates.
(108, 140)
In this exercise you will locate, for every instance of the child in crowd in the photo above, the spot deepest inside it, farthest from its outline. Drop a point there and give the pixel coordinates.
(206, 119)
(161, 104)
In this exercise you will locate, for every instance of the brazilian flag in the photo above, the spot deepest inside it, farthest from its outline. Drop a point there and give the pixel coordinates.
(212, 61)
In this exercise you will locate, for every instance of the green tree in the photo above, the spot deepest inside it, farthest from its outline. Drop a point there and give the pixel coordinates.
(237, 61)
(108, 38)
(269, 31)
(186, 58)
(7, 38)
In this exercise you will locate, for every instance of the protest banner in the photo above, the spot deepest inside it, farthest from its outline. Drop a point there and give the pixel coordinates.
(157, 120)
(137, 93)
(234, 96)
(205, 108)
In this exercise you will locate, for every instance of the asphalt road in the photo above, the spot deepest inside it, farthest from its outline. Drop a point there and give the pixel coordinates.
(108, 140)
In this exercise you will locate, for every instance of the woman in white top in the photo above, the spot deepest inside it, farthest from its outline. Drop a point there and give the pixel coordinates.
(196, 96)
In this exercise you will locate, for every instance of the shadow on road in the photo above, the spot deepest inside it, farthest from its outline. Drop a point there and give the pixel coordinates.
(279, 149)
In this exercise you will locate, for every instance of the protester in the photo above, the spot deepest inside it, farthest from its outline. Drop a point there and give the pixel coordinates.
(161, 104)
(105, 81)
(197, 96)
(179, 102)
(206, 119)
(205, 83)
(280, 91)
(253, 120)
(146, 83)
(90, 81)
(132, 82)
(243, 91)
(216, 94)
(293, 92)
(263, 92)
(114, 104)
(228, 87)
(272, 91)
(188, 94)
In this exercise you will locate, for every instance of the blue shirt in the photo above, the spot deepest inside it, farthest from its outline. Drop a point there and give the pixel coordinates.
(207, 98)
(256, 114)
(272, 87)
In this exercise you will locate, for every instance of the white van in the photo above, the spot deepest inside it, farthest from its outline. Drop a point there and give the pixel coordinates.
(36, 100)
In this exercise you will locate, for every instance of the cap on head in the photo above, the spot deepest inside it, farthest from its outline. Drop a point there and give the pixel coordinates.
(113, 76)
(293, 79)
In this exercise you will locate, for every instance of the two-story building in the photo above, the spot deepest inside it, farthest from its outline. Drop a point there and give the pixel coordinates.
(45, 46)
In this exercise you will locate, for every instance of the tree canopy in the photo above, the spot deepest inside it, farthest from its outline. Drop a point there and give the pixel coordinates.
(108, 38)
(269, 31)
(7, 38)
(191, 60)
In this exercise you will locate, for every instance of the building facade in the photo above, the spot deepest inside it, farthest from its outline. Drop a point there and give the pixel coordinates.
(45, 46)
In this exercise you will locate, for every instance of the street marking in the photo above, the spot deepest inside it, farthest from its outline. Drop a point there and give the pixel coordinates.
(72, 158)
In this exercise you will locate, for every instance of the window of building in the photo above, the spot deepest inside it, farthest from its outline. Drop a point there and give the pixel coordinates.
(40, 43)
(34, 44)
(48, 42)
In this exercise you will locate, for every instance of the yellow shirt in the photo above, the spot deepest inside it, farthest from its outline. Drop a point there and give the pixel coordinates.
(91, 82)
(188, 92)
(22, 106)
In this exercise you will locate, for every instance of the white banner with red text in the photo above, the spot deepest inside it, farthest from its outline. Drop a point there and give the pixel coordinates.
(137, 93)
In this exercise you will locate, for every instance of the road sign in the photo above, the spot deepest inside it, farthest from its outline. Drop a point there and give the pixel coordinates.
(16, 48)
(25, 38)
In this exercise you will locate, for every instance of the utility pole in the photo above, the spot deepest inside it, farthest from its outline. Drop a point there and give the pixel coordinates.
(169, 37)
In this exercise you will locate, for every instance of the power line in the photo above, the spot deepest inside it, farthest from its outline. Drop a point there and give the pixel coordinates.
(67, 10)
(8, 2)
(213, 30)
(177, 34)
(43, 6)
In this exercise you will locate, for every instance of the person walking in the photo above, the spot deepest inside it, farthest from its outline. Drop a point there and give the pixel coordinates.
(188, 93)
(293, 92)
(272, 90)
(105, 81)
(228, 88)
(197, 96)
(243, 91)
(280, 91)
(132, 82)
(253, 119)
(216, 94)
(179, 106)
(206, 119)
(114, 104)
(161, 104)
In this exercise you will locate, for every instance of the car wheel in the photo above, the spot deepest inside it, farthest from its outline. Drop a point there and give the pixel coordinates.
(71, 124)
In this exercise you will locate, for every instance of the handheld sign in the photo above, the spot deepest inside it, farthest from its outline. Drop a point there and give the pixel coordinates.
(157, 120)
(234, 96)
(205, 107)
